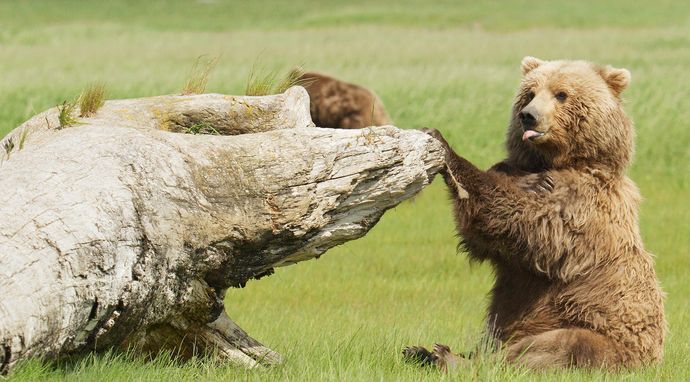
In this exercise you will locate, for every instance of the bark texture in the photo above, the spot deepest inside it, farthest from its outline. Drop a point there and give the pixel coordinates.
(123, 230)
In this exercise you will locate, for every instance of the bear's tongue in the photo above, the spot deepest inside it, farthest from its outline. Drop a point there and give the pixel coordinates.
(530, 134)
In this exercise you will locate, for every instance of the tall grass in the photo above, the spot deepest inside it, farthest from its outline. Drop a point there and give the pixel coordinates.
(198, 75)
(264, 82)
(260, 81)
(293, 78)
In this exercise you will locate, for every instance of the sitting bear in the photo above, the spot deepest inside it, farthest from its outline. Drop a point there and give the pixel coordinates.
(338, 104)
(557, 220)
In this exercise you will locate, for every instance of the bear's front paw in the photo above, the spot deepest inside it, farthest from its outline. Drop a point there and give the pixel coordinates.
(434, 133)
(445, 359)
(439, 137)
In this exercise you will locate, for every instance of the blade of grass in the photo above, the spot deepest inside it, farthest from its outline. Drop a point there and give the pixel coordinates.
(22, 137)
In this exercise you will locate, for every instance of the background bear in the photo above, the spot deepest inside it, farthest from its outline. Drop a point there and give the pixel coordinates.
(338, 104)
(558, 222)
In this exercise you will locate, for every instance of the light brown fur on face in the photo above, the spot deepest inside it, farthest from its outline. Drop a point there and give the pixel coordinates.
(558, 222)
(338, 104)
(587, 129)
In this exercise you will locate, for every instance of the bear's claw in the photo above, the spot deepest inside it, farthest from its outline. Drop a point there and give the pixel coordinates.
(542, 183)
(436, 134)
(547, 183)
(419, 355)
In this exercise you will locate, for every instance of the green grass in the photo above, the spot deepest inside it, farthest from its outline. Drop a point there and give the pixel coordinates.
(448, 65)
(201, 128)
(66, 114)
(91, 99)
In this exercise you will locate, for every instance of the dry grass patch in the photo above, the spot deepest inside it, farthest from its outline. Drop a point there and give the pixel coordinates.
(91, 99)
(262, 82)
(197, 79)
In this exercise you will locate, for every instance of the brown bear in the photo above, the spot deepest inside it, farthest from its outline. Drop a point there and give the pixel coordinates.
(338, 104)
(558, 222)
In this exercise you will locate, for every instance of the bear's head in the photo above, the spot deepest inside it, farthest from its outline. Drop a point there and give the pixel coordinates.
(568, 114)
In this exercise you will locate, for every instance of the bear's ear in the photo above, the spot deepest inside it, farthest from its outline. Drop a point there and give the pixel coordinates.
(530, 63)
(617, 79)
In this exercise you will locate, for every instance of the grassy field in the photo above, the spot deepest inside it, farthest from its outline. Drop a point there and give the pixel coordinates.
(451, 66)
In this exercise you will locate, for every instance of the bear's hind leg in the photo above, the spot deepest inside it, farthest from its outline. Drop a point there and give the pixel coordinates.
(561, 348)
(441, 356)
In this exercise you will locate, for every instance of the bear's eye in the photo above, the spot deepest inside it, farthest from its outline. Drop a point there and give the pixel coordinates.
(561, 96)
(530, 95)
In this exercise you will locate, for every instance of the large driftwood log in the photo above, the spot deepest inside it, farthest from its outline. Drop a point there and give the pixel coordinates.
(122, 230)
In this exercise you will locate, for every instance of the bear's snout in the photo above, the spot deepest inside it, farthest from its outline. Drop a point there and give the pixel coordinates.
(529, 118)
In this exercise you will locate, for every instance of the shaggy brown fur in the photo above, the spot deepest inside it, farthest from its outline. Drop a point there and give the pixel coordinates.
(338, 104)
(558, 221)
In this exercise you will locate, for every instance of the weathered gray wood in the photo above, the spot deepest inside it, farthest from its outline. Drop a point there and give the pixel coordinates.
(120, 231)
